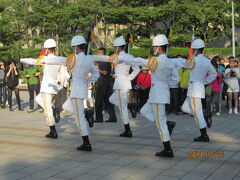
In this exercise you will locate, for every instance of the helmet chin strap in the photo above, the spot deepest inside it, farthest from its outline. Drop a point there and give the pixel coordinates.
(116, 52)
(46, 53)
(155, 53)
(75, 50)
(167, 50)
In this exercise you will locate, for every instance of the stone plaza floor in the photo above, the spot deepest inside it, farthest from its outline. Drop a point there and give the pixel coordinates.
(26, 154)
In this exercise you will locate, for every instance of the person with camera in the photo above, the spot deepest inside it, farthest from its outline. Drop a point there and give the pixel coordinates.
(3, 92)
(231, 78)
(12, 75)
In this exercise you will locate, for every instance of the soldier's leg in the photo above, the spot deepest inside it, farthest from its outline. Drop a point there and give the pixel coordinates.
(161, 122)
(199, 118)
(48, 111)
(123, 103)
(82, 124)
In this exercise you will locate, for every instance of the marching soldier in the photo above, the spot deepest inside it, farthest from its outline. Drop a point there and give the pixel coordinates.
(202, 72)
(79, 65)
(122, 83)
(49, 87)
(163, 72)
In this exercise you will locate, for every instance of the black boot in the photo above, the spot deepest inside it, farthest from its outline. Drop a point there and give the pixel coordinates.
(170, 125)
(204, 137)
(56, 114)
(52, 134)
(89, 113)
(127, 132)
(86, 146)
(167, 151)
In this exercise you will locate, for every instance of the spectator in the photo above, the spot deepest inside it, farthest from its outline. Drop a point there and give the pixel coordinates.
(3, 93)
(216, 87)
(143, 85)
(231, 78)
(12, 75)
(104, 88)
(32, 73)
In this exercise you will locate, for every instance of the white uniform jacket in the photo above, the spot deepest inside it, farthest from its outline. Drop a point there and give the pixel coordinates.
(123, 78)
(50, 72)
(165, 74)
(202, 73)
(80, 72)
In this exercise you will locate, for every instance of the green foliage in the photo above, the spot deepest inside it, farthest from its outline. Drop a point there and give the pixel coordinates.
(30, 22)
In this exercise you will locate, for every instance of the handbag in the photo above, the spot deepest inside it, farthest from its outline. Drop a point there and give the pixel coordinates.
(208, 90)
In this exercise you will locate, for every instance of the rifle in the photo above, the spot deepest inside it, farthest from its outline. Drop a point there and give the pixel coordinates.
(89, 39)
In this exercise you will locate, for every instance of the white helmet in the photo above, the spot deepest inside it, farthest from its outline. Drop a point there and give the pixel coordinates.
(119, 42)
(49, 43)
(198, 44)
(160, 40)
(77, 40)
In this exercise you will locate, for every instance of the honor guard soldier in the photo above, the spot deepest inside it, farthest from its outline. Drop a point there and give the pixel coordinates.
(49, 87)
(163, 72)
(80, 66)
(122, 83)
(202, 73)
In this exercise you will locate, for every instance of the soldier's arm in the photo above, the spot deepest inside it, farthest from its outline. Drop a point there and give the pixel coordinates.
(175, 78)
(55, 60)
(133, 61)
(94, 74)
(30, 61)
(101, 58)
(134, 73)
(180, 62)
(212, 74)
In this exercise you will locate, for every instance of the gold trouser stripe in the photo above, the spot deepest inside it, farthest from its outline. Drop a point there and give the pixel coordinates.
(195, 112)
(158, 123)
(45, 108)
(78, 117)
(120, 105)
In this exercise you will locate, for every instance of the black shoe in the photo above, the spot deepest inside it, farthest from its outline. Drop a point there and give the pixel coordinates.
(52, 134)
(202, 138)
(2, 106)
(126, 134)
(56, 114)
(179, 113)
(89, 117)
(165, 153)
(20, 109)
(170, 125)
(98, 121)
(11, 109)
(111, 120)
(85, 147)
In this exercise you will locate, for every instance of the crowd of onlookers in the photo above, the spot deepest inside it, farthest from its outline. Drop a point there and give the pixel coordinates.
(224, 87)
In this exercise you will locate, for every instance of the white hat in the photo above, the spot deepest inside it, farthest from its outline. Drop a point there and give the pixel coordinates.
(198, 44)
(49, 43)
(160, 40)
(119, 42)
(77, 40)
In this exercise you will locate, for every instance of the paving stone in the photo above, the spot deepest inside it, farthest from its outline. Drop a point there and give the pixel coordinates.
(25, 153)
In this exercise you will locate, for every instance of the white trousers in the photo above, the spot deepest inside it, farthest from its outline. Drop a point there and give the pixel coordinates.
(89, 102)
(120, 98)
(47, 106)
(156, 112)
(76, 107)
(193, 106)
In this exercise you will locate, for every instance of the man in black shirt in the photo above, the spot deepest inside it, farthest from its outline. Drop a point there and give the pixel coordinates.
(104, 87)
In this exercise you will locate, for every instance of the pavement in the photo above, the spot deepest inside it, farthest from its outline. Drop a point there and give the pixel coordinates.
(26, 154)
